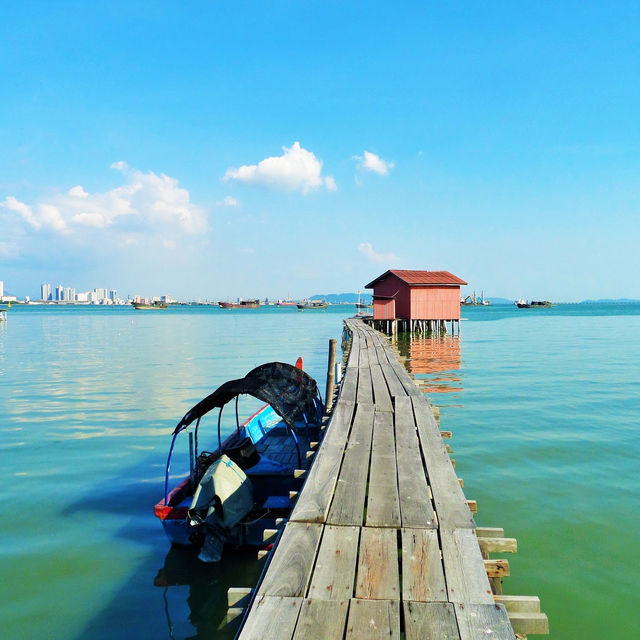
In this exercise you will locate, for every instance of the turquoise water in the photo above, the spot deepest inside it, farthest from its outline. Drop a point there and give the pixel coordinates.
(543, 405)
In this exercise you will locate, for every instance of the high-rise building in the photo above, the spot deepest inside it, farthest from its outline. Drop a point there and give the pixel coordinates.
(1, 288)
(45, 292)
(59, 292)
(101, 294)
(113, 294)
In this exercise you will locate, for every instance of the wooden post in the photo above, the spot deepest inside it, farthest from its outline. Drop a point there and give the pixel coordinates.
(331, 367)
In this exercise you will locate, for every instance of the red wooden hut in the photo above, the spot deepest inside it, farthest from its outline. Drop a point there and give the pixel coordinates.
(422, 300)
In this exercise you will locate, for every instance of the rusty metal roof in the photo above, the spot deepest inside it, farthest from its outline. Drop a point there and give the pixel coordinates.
(419, 277)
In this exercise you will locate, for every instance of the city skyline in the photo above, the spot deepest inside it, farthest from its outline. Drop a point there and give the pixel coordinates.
(278, 149)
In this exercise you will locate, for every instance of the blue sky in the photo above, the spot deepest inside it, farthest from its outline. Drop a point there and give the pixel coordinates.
(214, 150)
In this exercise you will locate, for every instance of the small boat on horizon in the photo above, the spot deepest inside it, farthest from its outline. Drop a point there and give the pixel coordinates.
(521, 303)
(309, 305)
(242, 304)
(149, 305)
(235, 491)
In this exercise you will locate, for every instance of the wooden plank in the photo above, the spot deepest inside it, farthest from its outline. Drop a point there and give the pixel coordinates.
(322, 619)
(467, 579)
(378, 573)
(271, 618)
(416, 509)
(498, 545)
(364, 391)
(394, 384)
(422, 570)
(363, 360)
(290, 568)
(334, 574)
(381, 395)
(483, 621)
(401, 373)
(347, 506)
(519, 604)
(383, 504)
(349, 385)
(528, 622)
(374, 620)
(315, 498)
(450, 503)
(430, 621)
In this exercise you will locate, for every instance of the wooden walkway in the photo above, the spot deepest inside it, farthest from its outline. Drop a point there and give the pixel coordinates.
(381, 540)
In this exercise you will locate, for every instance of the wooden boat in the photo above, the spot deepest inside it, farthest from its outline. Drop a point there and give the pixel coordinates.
(145, 306)
(235, 491)
(521, 303)
(243, 304)
(308, 305)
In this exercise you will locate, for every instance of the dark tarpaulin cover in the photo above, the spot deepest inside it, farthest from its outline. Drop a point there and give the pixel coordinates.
(291, 392)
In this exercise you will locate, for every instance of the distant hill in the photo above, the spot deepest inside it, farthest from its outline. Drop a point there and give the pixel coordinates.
(500, 300)
(337, 298)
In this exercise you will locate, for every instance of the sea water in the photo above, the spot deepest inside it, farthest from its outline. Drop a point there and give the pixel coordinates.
(543, 405)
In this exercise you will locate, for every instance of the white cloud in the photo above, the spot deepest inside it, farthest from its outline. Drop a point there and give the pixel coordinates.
(373, 162)
(150, 202)
(23, 210)
(228, 201)
(78, 192)
(296, 169)
(390, 259)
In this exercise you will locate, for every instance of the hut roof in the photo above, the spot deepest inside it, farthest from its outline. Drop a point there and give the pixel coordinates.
(420, 277)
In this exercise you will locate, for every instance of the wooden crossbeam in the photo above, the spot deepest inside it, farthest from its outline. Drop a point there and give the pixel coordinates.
(497, 568)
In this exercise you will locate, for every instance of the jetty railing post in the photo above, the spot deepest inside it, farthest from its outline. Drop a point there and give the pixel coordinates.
(331, 368)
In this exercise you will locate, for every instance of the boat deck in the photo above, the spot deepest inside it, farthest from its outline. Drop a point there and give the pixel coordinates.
(381, 542)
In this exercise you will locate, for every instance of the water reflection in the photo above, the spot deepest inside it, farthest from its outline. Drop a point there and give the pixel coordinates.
(434, 361)
(199, 585)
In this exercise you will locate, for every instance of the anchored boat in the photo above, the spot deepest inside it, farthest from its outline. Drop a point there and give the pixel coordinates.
(146, 305)
(307, 305)
(237, 489)
(243, 304)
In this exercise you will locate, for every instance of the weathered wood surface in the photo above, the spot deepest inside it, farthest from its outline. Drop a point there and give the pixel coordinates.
(313, 503)
(378, 574)
(381, 522)
(416, 508)
(350, 492)
(422, 570)
(430, 621)
(464, 567)
(374, 620)
(335, 570)
(383, 504)
(321, 619)
(271, 618)
(290, 569)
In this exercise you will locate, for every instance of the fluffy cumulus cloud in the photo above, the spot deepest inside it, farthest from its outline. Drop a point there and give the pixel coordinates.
(372, 162)
(146, 201)
(389, 259)
(297, 169)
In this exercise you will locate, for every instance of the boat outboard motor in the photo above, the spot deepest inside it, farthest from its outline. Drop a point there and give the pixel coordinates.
(223, 497)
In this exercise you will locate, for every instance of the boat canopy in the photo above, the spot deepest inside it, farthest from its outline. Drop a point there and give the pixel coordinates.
(291, 392)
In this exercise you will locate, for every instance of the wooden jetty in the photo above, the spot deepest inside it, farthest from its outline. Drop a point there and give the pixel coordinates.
(382, 542)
